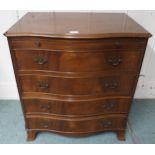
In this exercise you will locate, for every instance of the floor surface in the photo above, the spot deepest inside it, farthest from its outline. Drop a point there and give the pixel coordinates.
(140, 127)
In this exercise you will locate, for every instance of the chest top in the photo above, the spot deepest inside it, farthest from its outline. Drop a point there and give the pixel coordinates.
(77, 25)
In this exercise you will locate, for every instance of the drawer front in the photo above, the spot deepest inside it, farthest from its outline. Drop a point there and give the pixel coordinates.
(107, 85)
(78, 62)
(77, 44)
(104, 106)
(87, 124)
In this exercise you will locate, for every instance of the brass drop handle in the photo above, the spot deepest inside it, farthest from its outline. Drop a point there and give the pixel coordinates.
(111, 85)
(118, 44)
(45, 107)
(40, 60)
(45, 124)
(108, 105)
(105, 124)
(43, 85)
(114, 61)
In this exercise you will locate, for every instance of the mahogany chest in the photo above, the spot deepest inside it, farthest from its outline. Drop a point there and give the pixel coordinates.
(76, 72)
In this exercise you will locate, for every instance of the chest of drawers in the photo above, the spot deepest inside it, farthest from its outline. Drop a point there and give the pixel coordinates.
(76, 72)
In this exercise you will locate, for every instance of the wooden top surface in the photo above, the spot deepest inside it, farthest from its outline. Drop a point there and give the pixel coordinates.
(77, 25)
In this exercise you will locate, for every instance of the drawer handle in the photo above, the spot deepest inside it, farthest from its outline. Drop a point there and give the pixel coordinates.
(111, 85)
(40, 60)
(114, 61)
(45, 107)
(105, 124)
(38, 43)
(45, 124)
(118, 44)
(43, 85)
(108, 105)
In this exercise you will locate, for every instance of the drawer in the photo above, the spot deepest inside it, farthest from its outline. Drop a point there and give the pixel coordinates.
(84, 124)
(77, 44)
(78, 62)
(107, 85)
(104, 106)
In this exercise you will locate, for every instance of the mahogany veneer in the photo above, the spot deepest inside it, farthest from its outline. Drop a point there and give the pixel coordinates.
(76, 72)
